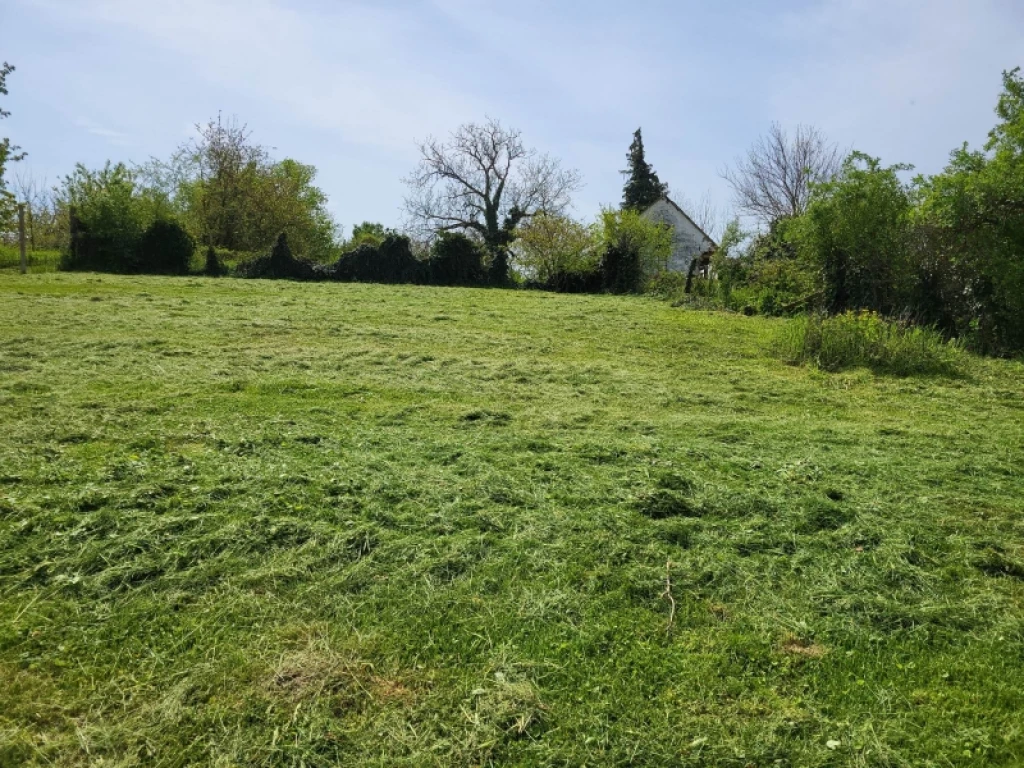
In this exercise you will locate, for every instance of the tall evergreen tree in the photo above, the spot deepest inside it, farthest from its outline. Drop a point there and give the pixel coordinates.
(643, 187)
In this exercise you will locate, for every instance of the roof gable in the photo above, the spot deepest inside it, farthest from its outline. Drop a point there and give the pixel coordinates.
(685, 215)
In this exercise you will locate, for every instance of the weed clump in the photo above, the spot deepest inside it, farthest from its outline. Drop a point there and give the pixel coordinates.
(855, 339)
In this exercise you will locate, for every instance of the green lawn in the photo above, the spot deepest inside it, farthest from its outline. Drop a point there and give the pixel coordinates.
(259, 523)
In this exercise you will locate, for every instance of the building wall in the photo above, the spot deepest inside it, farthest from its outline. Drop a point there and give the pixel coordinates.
(688, 241)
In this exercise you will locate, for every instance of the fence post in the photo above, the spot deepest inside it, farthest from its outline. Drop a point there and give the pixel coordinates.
(21, 237)
(73, 232)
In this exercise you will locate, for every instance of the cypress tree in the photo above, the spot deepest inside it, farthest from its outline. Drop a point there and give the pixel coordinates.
(643, 187)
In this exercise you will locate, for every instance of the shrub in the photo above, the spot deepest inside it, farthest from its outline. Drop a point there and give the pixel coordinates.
(213, 266)
(111, 216)
(165, 248)
(866, 339)
(367, 233)
(557, 253)
(454, 260)
(279, 264)
(390, 262)
(633, 248)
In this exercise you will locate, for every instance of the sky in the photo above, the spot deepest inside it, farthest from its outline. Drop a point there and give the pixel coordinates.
(350, 87)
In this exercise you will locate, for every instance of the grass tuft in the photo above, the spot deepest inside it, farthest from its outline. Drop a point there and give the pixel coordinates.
(856, 339)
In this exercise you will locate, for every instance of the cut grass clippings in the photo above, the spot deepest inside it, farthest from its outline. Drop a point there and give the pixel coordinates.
(268, 523)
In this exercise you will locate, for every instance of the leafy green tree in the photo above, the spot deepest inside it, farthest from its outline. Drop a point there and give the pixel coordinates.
(9, 153)
(972, 217)
(857, 231)
(367, 233)
(233, 195)
(114, 210)
(549, 248)
(634, 249)
(643, 188)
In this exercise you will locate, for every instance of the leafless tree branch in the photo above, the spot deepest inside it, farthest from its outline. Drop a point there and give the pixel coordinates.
(774, 179)
(481, 178)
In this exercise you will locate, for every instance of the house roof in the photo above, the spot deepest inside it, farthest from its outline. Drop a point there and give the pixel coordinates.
(671, 202)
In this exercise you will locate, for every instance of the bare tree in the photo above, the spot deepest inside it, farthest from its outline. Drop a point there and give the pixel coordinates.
(483, 181)
(43, 215)
(775, 177)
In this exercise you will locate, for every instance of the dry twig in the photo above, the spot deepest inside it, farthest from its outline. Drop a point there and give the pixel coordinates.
(668, 595)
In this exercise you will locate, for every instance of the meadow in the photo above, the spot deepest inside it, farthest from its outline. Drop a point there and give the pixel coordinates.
(266, 523)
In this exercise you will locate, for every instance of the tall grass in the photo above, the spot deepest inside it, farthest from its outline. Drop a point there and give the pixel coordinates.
(37, 261)
(855, 339)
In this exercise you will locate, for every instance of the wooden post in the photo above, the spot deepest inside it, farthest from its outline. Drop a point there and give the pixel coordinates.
(21, 237)
(73, 227)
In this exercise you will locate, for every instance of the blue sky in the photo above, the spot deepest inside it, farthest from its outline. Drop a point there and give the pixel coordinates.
(350, 86)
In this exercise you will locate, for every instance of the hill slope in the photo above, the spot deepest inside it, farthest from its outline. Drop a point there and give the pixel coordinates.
(278, 524)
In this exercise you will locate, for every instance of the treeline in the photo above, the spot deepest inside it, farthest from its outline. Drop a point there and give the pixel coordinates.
(220, 192)
(835, 234)
(945, 251)
(613, 257)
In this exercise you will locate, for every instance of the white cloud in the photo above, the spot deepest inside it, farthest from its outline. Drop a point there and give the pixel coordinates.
(117, 138)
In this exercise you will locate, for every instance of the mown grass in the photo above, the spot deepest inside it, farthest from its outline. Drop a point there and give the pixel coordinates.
(258, 523)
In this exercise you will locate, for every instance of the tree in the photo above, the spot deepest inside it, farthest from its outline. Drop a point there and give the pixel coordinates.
(775, 178)
(367, 233)
(552, 248)
(643, 187)
(217, 179)
(857, 231)
(45, 229)
(113, 210)
(484, 182)
(233, 195)
(973, 214)
(8, 154)
(634, 248)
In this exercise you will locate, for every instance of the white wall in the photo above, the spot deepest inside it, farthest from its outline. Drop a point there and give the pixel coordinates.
(687, 240)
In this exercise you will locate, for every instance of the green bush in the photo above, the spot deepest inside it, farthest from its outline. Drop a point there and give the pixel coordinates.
(165, 248)
(454, 260)
(866, 339)
(390, 262)
(213, 267)
(280, 264)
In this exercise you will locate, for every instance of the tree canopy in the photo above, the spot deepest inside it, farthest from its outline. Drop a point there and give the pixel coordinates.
(9, 153)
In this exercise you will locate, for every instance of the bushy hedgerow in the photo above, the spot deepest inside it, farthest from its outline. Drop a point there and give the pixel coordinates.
(280, 264)
(621, 268)
(454, 260)
(165, 248)
(571, 282)
(390, 262)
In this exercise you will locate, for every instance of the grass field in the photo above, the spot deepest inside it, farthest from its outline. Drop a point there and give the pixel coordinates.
(259, 523)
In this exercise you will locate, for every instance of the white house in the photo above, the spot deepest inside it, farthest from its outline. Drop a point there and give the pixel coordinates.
(689, 241)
